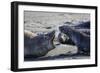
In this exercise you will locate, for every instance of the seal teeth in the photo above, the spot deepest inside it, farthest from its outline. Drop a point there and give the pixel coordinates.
(52, 39)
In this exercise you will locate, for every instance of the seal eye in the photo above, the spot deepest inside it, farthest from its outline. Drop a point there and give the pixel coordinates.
(64, 37)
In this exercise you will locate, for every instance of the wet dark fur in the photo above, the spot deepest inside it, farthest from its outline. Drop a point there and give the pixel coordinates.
(67, 41)
(39, 45)
(81, 40)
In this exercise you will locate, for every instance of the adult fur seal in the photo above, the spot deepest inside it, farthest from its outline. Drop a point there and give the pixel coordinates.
(83, 27)
(81, 40)
(39, 45)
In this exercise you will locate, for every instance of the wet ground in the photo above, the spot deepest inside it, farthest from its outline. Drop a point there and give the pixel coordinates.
(43, 22)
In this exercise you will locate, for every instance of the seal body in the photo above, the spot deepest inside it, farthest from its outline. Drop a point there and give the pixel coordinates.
(81, 39)
(39, 45)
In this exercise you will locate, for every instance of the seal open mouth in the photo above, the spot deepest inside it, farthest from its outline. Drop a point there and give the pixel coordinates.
(52, 37)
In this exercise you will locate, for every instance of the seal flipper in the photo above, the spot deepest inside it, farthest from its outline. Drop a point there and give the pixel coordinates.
(82, 52)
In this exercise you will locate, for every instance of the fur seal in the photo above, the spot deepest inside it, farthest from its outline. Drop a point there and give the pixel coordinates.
(39, 45)
(81, 40)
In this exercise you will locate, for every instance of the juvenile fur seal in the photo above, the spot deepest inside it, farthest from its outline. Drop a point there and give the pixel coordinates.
(39, 45)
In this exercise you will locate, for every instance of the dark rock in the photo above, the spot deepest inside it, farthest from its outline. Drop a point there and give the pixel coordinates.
(48, 27)
(68, 23)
